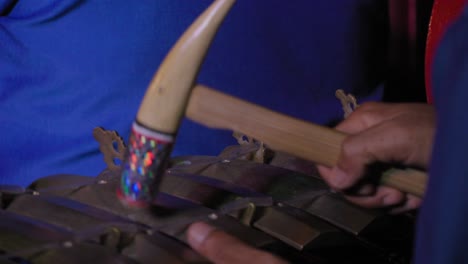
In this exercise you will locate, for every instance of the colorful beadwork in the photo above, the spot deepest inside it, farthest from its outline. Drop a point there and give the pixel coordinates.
(142, 167)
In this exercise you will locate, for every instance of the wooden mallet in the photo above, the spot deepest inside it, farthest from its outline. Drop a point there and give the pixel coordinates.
(173, 94)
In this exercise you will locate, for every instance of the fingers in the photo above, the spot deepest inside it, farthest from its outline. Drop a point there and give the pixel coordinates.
(370, 196)
(399, 202)
(366, 116)
(336, 178)
(371, 113)
(412, 203)
(384, 142)
(388, 133)
(406, 139)
(386, 197)
(219, 247)
(383, 197)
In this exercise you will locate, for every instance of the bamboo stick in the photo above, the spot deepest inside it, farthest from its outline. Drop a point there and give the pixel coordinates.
(284, 133)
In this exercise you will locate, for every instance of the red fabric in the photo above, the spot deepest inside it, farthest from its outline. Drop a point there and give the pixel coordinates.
(444, 12)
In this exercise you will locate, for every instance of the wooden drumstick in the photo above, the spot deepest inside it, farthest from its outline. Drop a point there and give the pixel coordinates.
(284, 133)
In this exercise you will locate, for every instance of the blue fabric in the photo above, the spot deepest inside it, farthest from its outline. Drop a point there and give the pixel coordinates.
(67, 66)
(442, 231)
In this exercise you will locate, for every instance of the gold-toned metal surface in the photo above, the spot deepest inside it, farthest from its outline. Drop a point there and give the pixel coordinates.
(286, 212)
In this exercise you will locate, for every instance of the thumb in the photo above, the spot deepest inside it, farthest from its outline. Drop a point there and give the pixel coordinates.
(219, 247)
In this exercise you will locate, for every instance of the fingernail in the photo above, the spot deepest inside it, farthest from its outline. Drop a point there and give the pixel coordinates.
(197, 233)
(339, 178)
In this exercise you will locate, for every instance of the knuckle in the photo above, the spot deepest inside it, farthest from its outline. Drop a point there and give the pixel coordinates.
(393, 198)
(354, 150)
(325, 173)
(348, 148)
(401, 132)
(352, 161)
(413, 202)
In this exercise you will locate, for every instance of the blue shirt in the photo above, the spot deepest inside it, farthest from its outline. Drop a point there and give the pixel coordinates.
(442, 225)
(67, 66)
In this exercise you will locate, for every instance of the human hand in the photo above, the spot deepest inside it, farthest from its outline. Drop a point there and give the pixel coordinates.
(219, 247)
(380, 132)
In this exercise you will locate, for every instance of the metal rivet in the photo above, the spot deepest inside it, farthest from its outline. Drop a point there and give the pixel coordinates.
(213, 216)
(68, 244)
